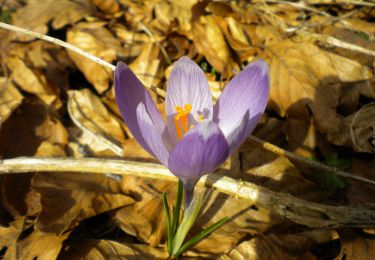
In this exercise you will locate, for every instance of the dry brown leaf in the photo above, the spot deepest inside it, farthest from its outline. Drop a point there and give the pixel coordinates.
(238, 39)
(356, 192)
(93, 118)
(302, 74)
(246, 218)
(107, 249)
(39, 245)
(10, 99)
(95, 39)
(148, 66)
(144, 219)
(357, 130)
(9, 236)
(32, 80)
(133, 41)
(107, 6)
(35, 16)
(17, 135)
(168, 12)
(67, 199)
(53, 131)
(356, 247)
(210, 42)
(278, 246)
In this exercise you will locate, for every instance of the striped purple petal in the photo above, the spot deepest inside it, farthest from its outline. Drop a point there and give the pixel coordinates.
(130, 94)
(201, 151)
(152, 137)
(242, 103)
(187, 84)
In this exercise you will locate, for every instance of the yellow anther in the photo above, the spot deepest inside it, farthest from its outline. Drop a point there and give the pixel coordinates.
(200, 117)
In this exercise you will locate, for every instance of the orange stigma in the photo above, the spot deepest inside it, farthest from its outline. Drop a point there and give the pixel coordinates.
(182, 117)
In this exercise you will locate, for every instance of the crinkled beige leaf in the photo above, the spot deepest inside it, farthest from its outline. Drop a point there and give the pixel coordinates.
(93, 118)
(107, 249)
(301, 74)
(95, 39)
(36, 15)
(10, 99)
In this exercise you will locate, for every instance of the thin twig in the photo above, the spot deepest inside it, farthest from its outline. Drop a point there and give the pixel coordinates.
(317, 165)
(295, 209)
(59, 43)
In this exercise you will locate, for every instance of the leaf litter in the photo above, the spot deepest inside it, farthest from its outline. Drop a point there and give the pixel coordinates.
(55, 103)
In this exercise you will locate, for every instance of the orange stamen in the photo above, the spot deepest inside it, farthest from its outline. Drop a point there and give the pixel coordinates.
(182, 117)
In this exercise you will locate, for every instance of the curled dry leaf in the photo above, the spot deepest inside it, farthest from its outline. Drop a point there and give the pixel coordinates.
(107, 249)
(93, 118)
(36, 16)
(10, 99)
(95, 39)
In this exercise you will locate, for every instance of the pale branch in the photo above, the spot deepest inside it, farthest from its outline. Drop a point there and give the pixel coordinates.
(336, 42)
(314, 164)
(59, 43)
(295, 209)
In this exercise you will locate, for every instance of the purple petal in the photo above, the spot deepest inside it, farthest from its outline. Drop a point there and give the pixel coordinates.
(187, 84)
(130, 92)
(201, 151)
(152, 137)
(242, 103)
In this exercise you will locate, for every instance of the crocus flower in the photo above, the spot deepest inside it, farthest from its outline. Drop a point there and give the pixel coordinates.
(196, 137)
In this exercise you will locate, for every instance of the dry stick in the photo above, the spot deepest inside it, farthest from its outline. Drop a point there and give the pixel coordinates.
(58, 42)
(265, 145)
(317, 165)
(295, 209)
(336, 42)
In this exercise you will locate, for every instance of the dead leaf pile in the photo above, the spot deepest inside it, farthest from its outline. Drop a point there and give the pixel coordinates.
(56, 103)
